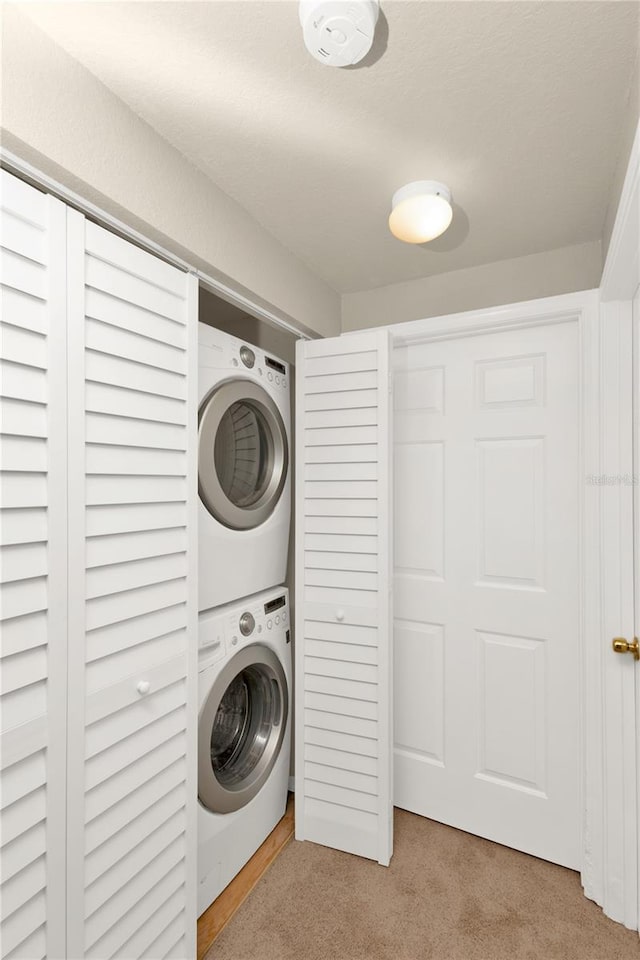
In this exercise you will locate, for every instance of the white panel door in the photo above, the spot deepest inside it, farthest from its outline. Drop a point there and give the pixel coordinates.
(487, 499)
(343, 577)
(33, 586)
(132, 610)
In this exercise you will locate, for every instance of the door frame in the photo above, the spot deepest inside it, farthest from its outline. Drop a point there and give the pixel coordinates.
(635, 338)
(619, 890)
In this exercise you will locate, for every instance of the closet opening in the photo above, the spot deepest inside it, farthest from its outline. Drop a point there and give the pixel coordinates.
(246, 413)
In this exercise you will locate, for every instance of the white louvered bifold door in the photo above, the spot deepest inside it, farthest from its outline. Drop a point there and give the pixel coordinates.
(343, 580)
(33, 591)
(132, 607)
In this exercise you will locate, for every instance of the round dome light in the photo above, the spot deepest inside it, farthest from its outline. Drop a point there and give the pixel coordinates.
(421, 211)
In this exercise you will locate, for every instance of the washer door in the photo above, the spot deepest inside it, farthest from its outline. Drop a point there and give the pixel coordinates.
(241, 729)
(243, 454)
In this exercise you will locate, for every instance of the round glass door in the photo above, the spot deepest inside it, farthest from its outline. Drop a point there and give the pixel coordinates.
(241, 729)
(242, 454)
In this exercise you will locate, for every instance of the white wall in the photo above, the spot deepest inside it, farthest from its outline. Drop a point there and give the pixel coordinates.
(632, 115)
(59, 117)
(565, 270)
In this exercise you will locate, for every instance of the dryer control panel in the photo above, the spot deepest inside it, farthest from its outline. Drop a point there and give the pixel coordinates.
(221, 351)
(266, 367)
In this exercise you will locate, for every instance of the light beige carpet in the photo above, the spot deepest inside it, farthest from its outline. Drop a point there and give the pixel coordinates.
(446, 896)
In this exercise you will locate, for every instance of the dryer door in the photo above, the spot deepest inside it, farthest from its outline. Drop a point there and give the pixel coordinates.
(243, 454)
(241, 728)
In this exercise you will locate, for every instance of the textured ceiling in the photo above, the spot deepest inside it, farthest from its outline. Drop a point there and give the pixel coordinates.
(517, 106)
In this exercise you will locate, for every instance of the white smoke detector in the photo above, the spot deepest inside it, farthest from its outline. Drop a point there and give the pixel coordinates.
(338, 32)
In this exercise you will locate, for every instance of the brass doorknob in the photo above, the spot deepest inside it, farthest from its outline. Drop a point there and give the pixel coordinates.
(620, 645)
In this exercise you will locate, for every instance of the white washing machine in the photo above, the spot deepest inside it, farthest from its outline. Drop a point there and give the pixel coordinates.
(243, 733)
(244, 423)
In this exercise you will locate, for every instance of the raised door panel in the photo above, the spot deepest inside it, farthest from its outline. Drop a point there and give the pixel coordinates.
(132, 488)
(344, 685)
(32, 573)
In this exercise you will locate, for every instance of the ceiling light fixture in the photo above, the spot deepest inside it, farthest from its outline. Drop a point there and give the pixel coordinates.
(421, 211)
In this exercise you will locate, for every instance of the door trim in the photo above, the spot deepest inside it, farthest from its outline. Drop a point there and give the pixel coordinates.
(512, 316)
(613, 877)
(618, 878)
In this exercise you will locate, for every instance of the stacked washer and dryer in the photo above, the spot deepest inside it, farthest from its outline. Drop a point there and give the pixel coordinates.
(244, 631)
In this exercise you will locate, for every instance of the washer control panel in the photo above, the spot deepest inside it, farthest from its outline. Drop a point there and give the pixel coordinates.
(263, 617)
(276, 612)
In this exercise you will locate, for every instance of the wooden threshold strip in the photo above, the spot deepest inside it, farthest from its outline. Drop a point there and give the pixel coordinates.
(217, 916)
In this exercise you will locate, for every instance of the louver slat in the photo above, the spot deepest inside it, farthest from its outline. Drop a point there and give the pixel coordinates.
(343, 620)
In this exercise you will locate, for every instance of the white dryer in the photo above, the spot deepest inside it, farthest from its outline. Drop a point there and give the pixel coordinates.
(244, 424)
(243, 733)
